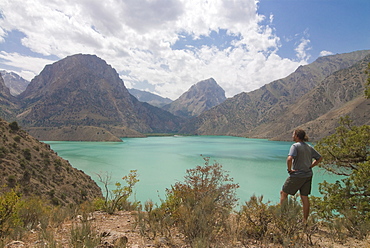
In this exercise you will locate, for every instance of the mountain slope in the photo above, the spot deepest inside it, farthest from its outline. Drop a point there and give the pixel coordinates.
(200, 97)
(8, 103)
(14, 82)
(340, 94)
(244, 112)
(152, 99)
(83, 90)
(37, 170)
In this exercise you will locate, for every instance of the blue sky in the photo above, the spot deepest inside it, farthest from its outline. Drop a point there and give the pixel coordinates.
(165, 46)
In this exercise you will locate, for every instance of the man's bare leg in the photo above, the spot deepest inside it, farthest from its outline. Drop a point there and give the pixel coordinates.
(283, 197)
(306, 207)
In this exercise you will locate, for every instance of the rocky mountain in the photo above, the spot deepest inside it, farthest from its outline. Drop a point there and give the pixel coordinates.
(37, 170)
(14, 82)
(273, 109)
(7, 101)
(152, 99)
(84, 91)
(199, 98)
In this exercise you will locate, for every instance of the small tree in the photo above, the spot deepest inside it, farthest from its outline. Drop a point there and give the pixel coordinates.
(117, 198)
(202, 203)
(347, 153)
(346, 149)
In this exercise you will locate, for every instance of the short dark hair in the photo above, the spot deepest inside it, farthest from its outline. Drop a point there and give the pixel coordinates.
(301, 134)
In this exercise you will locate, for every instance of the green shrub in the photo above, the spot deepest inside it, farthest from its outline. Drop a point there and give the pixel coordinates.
(118, 199)
(27, 154)
(346, 153)
(33, 212)
(287, 227)
(3, 152)
(154, 221)
(14, 126)
(9, 205)
(254, 219)
(201, 205)
(84, 235)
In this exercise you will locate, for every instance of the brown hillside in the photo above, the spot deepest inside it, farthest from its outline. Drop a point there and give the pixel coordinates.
(340, 94)
(37, 170)
(266, 112)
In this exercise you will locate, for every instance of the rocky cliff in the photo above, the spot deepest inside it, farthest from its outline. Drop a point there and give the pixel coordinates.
(14, 82)
(199, 98)
(8, 103)
(83, 90)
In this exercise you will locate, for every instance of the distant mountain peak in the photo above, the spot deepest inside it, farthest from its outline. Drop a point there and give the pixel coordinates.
(83, 90)
(14, 82)
(152, 99)
(201, 97)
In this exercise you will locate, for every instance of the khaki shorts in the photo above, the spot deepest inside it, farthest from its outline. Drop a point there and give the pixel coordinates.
(293, 184)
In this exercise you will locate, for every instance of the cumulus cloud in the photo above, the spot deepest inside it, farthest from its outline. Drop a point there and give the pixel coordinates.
(302, 49)
(29, 65)
(137, 37)
(325, 53)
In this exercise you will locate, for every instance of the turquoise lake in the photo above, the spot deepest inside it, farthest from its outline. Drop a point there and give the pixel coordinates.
(257, 165)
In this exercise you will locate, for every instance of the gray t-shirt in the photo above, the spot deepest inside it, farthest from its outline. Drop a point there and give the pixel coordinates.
(302, 154)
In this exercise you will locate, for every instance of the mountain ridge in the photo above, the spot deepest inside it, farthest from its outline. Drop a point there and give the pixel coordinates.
(247, 111)
(152, 99)
(84, 91)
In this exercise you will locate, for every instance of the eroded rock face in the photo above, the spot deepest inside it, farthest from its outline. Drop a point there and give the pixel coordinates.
(83, 90)
(199, 98)
(14, 82)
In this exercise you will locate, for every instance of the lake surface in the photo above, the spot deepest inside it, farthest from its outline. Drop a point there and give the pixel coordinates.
(258, 166)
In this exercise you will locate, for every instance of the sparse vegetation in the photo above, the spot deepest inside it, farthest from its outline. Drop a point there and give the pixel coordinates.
(202, 203)
(14, 126)
(117, 199)
(198, 212)
(367, 86)
(346, 202)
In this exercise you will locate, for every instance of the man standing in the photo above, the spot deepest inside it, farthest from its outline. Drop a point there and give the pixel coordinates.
(301, 158)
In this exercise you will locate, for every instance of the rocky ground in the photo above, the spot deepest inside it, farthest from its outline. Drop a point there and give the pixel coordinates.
(121, 230)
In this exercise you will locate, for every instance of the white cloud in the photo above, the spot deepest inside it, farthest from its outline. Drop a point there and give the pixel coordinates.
(136, 36)
(302, 49)
(29, 65)
(325, 53)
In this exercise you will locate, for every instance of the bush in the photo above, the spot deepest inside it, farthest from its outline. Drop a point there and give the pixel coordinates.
(117, 199)
(254, 219)
(14, 126)
(9, 205)
(17, 138)
(84, 235)
(154, 221)
(3, 152)
(33, 212)
(346, 153)
(27, 154)
(202, 203)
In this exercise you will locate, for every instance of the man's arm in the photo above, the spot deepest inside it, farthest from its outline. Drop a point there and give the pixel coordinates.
(289, 162)
(316, 162)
